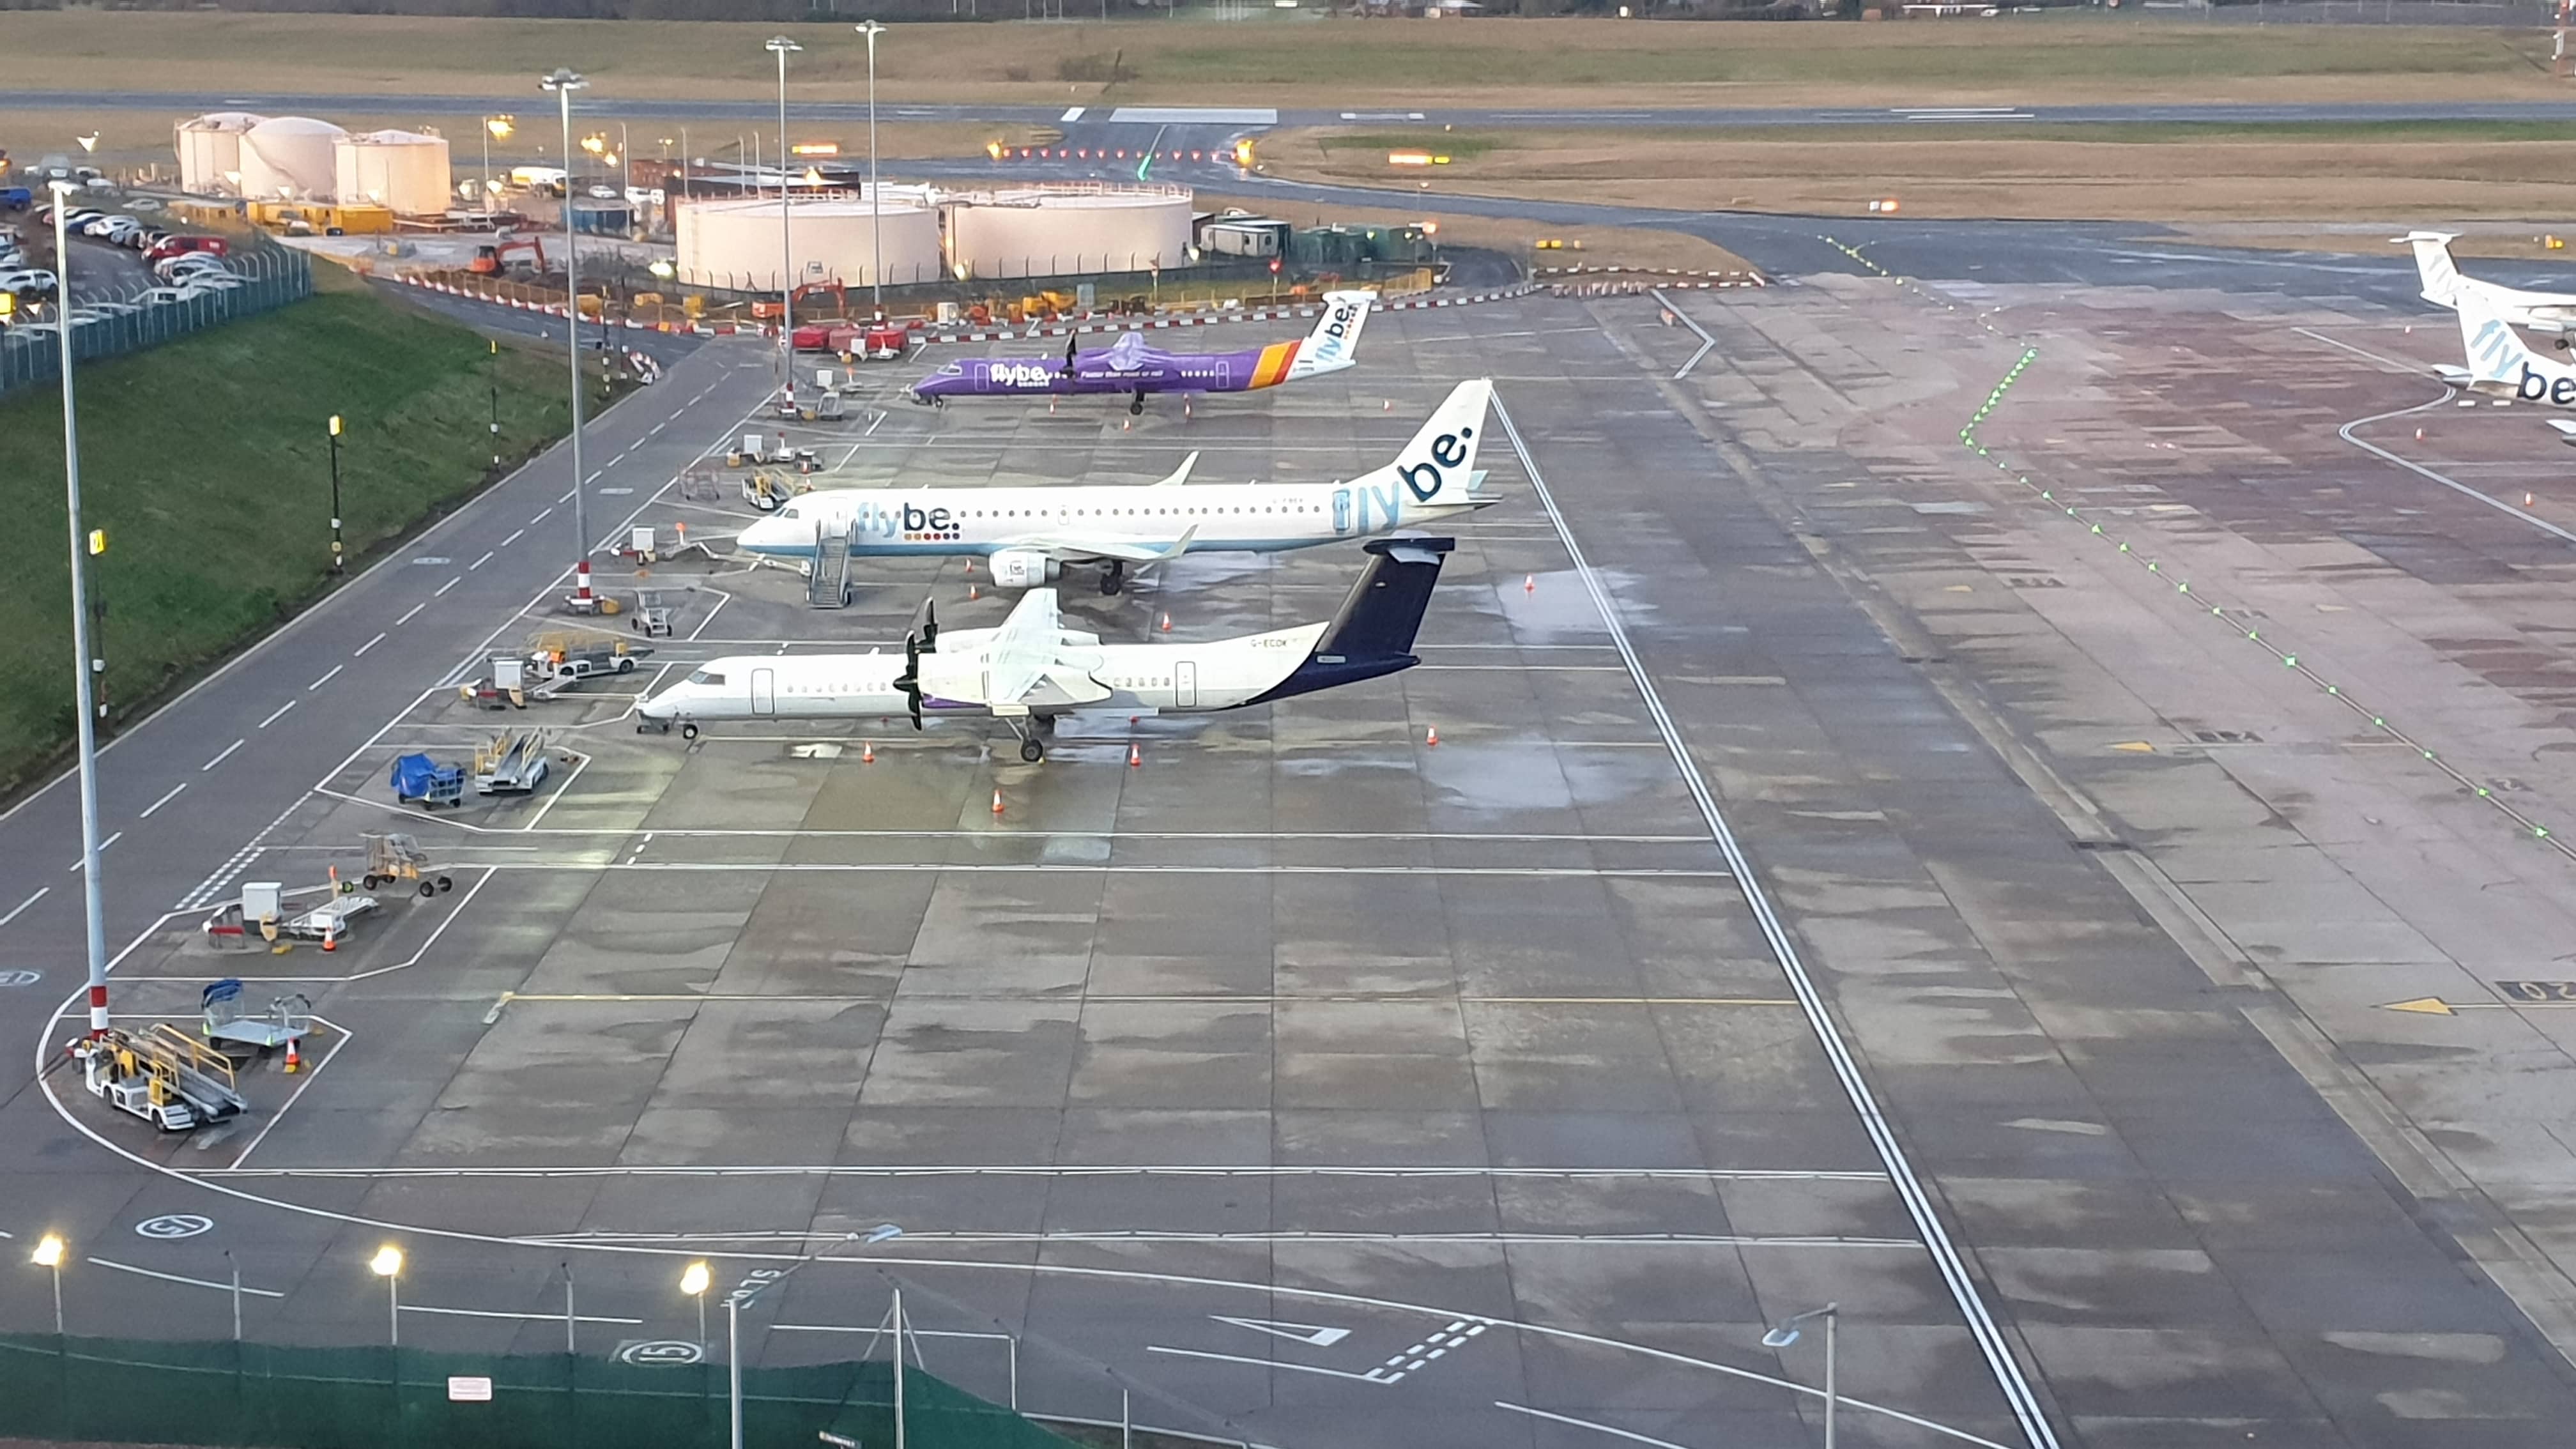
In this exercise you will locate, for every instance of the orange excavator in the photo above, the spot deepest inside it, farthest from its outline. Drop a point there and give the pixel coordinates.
(766, 310)
(495, 257)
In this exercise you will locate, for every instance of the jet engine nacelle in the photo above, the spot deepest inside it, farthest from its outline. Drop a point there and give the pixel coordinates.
(1024, 568)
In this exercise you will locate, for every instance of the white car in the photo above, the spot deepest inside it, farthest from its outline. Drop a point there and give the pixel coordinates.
(189, 265)
(157, 296)
(26, 281)
(210, 284)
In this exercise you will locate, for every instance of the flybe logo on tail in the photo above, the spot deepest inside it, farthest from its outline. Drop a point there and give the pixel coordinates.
(1334, 337)
(1449, 450)
(2535, 388)
(2492, 350)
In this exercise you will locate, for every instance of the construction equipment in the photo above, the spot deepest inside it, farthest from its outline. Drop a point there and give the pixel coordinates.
(228, 1018)
(162, 1075)
(506, 687)
(513, 763)
(418, 777)
(393, 856)
(495, 255)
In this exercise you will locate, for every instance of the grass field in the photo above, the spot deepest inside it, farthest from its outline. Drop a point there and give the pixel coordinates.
(2148, 173)
(1295, 60)
(206, 461)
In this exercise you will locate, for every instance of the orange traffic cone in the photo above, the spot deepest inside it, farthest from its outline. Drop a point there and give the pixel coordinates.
(1433, 738)
(330, 941)
(868, 753)
(1388, 406)
(970, 566)
(1167, 623)
(2526, 500)
(1530, 585)
(2419, 435)
(974, 591)
(997, 802)
(1134, 759)
(294, 1058)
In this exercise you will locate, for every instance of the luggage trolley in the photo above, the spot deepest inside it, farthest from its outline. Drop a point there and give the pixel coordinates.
(393, 856)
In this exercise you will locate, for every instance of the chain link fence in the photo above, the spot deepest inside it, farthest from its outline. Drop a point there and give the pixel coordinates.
(109, 325)
(233, 1393)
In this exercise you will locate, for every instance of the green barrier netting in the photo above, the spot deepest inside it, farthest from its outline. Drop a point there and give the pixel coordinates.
(261, 1395)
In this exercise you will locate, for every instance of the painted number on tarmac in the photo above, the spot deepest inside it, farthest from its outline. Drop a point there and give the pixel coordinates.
(174, 1225)
(2538, 990)
(659, 1352)
(20, 978)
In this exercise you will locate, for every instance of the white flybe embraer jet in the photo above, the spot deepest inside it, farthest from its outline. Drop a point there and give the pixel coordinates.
(2552, 312)
(1032, 668)
(1030, 534)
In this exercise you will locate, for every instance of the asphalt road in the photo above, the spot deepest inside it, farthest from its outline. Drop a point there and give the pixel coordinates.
(324, 103)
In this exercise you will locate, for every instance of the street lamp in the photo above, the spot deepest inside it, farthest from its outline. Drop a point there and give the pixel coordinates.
(496, 130)
(388, 1265)
(49, 1254)
(85, 664)
(693, 1281)
(1787, 1334)
(563, 83)
(876, 247)
(781, 46)
(741, 1298)
(336, 562)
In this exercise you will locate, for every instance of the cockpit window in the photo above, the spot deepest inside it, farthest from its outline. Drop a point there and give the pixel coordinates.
(954, 369)
(788, 512)
(706, 676)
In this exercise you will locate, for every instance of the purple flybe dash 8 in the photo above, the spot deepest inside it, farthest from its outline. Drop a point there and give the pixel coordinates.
(1135, 367)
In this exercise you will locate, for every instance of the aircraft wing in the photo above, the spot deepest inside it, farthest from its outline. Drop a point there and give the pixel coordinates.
(2566, 430)
(1075, 548)
(1028, 664)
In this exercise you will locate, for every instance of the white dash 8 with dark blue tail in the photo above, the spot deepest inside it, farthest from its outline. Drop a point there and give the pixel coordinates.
(1031, 534)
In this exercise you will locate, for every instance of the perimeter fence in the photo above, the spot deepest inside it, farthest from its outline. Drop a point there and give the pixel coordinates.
(265, 278)
(239, 1393)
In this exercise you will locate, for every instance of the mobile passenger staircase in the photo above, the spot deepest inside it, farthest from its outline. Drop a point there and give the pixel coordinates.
(827, 586)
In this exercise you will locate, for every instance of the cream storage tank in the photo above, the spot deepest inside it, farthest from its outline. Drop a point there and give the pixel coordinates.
(210, 152)
(290, 158)
(733, 242)
(1054, 231)
(406, 171)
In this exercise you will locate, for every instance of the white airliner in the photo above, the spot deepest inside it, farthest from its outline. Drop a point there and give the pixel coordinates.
(1033, 669)
(2501, 364)
(1030, 534)
(2550, 312)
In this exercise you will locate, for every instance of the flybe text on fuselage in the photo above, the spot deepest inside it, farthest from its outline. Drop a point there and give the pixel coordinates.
(1021, 374)
(1344, 510)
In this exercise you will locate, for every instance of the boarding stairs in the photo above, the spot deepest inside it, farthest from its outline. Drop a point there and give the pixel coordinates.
(827, 586)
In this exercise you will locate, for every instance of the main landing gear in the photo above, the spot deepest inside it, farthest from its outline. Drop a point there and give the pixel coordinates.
(1136, 404)
(1113, 576)
(1033, 737)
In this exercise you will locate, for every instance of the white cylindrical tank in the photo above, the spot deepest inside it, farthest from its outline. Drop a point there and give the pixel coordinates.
(404, 170)
(210, 152)
(1051, 232)
(733, 243)
(290, 158)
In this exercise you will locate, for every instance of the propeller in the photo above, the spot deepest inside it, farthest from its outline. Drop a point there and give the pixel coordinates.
(930, 625)
(910, 680)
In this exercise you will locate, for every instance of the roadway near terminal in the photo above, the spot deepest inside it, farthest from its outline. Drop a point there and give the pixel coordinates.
(1841, 875)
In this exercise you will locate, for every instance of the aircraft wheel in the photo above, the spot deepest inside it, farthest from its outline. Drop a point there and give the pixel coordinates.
(688, 732)
(428, 888)
(1112, 580)
(1032, 750)
(1135, 407)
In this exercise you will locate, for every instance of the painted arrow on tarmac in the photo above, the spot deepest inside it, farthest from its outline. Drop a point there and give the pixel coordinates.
(2436, 1006)
(1301, 1332)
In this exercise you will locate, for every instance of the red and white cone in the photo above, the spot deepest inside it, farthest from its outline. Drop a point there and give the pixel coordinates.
(1167, 623)
(1134, 759)
(294, 1057)
(1530, 585)
(2419, 435)
(974, 591)
(997, 802)
(1432, 737)
(1126, 425)
(868, 753)
(1387, 406)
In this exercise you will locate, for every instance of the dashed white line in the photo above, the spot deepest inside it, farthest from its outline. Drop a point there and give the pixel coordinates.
(566, 495)
(513, 538)
(102, 849)
(480, 562)
(272, 718)
(40, 894)
(219, 759)
(363, 648)
(407, 613)
(325, 679)
(451, 583)
(540, 518)
(1612, 1431)
(164, 800)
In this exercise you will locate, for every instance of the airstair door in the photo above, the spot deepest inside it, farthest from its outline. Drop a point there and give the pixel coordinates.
(764, 692)
(1185, 684)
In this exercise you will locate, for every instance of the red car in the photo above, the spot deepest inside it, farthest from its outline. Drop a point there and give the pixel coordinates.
(179, 246)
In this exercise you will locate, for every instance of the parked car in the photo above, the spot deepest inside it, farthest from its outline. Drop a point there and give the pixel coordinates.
(28, 282)
(180, 267)
(159, 296)
(16, 198)
(179, 246)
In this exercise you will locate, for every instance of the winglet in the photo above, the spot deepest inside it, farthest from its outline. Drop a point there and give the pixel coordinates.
(1180, 545)
(1180, 474)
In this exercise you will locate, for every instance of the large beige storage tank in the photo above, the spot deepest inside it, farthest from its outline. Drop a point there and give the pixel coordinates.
(210, 152)
(290, 158)
(734, 243)
(404, 170)
(1048, 231)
